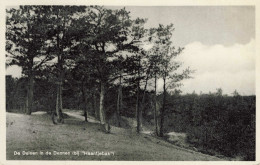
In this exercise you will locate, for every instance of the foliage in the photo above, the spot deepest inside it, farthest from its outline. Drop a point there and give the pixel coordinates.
(215, 123)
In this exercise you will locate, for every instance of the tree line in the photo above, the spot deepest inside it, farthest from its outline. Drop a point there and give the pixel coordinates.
(91, 49)
(214, 123)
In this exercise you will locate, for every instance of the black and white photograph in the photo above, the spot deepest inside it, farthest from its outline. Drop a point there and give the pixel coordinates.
(130, 83)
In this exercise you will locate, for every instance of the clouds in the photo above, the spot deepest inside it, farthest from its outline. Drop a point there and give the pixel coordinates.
(230, 68)
(207, 24)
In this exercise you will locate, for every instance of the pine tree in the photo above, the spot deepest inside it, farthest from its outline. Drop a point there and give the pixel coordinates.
(26, 43)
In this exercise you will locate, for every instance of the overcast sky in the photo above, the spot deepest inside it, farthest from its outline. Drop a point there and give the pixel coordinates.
(219, 44)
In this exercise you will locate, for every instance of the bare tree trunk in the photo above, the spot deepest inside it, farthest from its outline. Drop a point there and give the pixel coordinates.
(29, 97)
(155, 106)
(60, 81)
(59, 94)
(59, 103)
(84, 97)
(101, 108)
(138, 128)
(101, 104)
(163, 108)
(143, 98)
(138, 110)
(119, 102)
(94, 105)
(85, 109)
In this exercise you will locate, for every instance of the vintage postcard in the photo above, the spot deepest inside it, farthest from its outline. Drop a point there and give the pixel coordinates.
(139, 82)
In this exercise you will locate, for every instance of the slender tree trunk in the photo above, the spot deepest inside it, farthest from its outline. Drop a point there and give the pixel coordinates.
(60, 81)
(59, 102)
(119, 102)
(84, 97)
(138, 110)
(155, 106)
(101, 108)
(94, 106)
(138, 128)
(101, 104)
(59, 94)
(163, 108)
(29, 97)
(86, 109)
(143, 98)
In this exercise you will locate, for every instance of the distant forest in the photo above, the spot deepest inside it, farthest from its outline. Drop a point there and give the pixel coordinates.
(107, 64)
